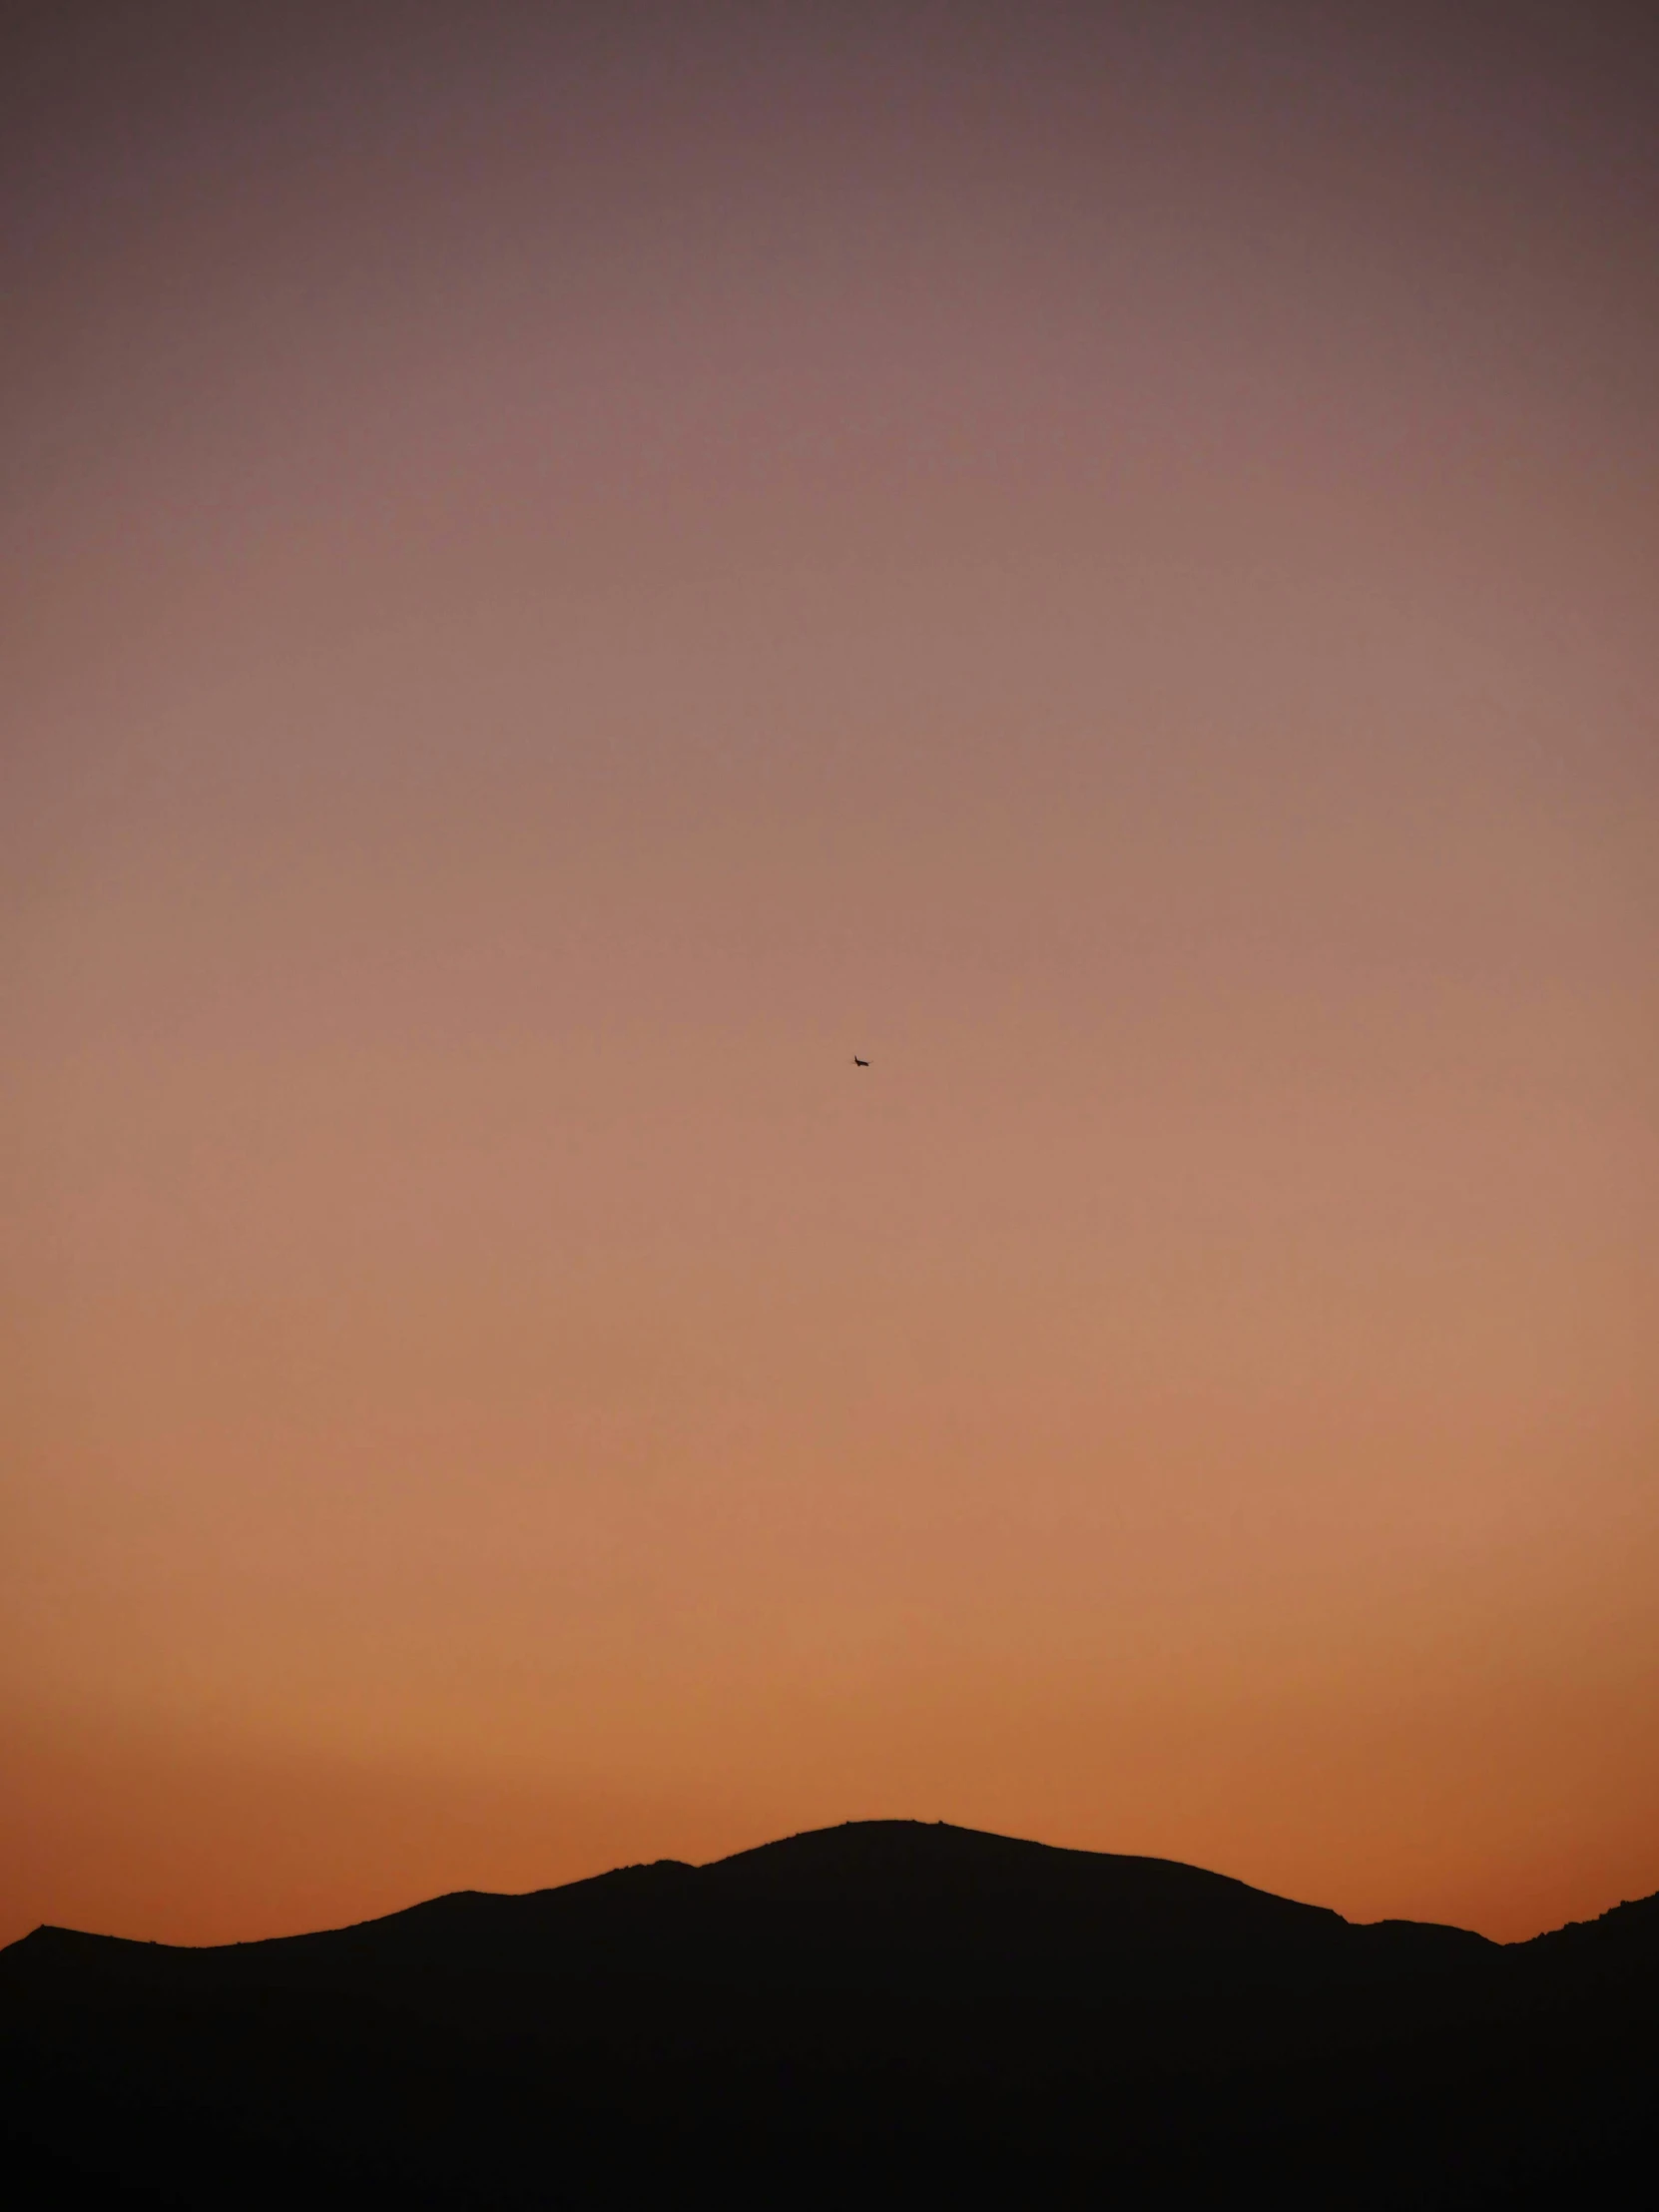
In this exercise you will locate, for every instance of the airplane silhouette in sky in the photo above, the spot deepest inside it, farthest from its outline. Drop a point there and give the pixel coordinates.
(858, 1064)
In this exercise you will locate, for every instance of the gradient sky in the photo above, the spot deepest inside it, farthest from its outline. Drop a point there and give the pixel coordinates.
(565, 570)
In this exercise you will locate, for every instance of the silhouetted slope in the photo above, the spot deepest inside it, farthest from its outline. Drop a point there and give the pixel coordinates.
(869, 1899)
(883, 2002)
(1623, 1940)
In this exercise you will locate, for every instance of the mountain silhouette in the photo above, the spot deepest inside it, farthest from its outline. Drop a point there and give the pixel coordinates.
(886, 2009)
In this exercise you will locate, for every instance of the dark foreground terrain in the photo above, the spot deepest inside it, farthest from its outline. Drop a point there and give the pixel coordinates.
(875, 2014)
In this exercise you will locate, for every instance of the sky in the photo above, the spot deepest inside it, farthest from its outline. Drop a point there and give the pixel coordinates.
(564, 571)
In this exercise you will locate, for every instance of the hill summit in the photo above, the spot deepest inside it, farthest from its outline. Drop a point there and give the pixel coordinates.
(880, 2006)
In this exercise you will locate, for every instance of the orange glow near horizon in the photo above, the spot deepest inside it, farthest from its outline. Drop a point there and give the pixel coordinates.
(562, 583)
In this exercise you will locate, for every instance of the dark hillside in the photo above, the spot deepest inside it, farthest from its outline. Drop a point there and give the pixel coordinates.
(879, 2007)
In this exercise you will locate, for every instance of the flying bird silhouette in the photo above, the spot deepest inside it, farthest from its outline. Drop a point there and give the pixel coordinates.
(858, 1064)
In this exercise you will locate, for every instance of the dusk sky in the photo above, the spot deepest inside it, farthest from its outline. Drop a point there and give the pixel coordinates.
(562, 571)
